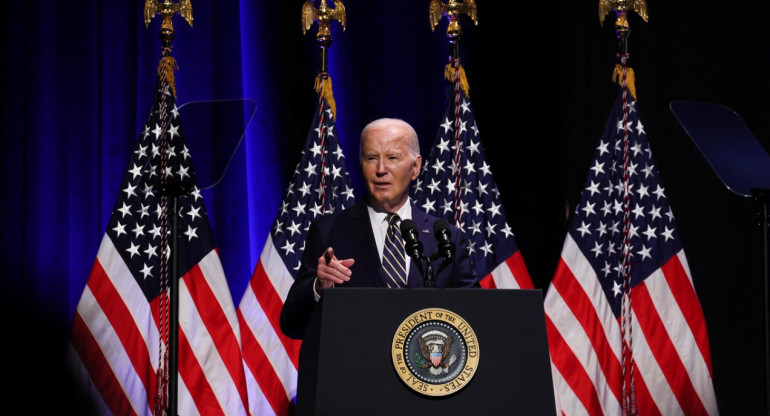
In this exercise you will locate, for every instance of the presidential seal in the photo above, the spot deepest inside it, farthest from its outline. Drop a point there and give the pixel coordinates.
(435, 352)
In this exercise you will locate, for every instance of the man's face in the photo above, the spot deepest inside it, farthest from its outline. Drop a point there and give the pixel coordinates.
(388, 167)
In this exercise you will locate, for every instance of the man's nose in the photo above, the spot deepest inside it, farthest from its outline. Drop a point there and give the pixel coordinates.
(381, 169)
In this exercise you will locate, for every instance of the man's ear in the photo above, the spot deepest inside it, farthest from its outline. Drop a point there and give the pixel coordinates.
(416, 167)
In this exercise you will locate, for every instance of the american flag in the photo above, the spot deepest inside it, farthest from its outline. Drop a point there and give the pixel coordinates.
(320, 186)
(625, 343)
(118, 336)
(457, 184)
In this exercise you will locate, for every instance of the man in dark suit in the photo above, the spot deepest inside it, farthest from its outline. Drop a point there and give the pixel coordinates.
(351, 248)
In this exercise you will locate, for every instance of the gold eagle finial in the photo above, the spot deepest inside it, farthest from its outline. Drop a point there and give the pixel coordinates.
(452, 9)
(621, 8)
(324, 15)
(167, 8)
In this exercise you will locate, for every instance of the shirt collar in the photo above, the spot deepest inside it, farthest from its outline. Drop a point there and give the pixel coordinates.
(405, 212)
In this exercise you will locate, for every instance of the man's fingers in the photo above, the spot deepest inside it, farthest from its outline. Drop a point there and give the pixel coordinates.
(337, 272)
(341, 266)
(328, 277)
(328, 255)
(332, 274)
(330, 269)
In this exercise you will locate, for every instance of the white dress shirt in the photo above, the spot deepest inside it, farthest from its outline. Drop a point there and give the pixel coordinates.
(380, 226)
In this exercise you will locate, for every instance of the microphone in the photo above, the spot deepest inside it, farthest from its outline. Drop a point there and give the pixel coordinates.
(446, 248)
(412, 244)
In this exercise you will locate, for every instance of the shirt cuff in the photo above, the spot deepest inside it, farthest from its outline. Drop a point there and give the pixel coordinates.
(315, 294)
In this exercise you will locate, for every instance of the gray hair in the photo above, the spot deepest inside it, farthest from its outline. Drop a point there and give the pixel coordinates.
(414, 143)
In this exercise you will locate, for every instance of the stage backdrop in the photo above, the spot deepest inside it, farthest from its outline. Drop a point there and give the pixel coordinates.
(78, 80)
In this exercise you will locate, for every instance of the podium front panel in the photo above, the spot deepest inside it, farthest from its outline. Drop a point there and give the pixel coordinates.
(346, 365)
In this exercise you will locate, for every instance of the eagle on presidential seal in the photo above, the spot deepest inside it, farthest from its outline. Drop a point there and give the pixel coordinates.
(435, 347)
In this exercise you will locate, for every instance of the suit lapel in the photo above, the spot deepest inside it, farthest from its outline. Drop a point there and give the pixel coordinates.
(363, 237)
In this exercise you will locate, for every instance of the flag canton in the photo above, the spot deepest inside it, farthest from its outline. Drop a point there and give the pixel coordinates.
(320, 186)
(456, 184)
(135, 223)
(598, 224)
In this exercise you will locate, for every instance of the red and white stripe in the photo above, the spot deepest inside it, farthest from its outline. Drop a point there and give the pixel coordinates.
(510, 274)
(271, 357)
(115, 340)
(670, 346)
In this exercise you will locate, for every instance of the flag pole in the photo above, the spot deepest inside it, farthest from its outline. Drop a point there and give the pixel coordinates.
(453, 73)
(625, 77)
(763, 197)
(167, 401)
(173, 191)
(324, 15)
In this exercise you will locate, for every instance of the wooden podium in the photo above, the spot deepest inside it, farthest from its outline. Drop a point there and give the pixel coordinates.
(347, 356)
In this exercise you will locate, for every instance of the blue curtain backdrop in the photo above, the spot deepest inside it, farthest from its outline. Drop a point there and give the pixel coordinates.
(78, 80)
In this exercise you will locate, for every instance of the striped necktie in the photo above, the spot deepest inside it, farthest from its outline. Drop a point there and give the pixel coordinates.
(393, 260)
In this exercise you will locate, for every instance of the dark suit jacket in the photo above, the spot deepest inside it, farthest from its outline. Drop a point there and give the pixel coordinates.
(349, 233)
